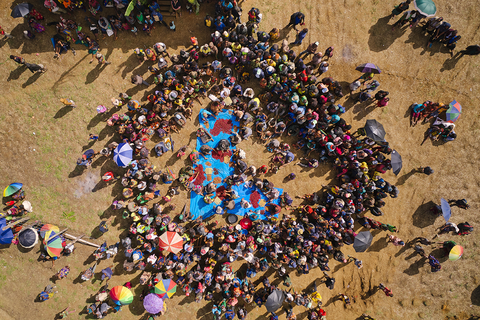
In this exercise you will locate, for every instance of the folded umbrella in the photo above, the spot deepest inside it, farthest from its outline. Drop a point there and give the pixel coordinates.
(446, 210)
(396, 162)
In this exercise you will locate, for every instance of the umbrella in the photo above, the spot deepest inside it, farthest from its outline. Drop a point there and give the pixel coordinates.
(28, 238)
(160, 148)
(121, 295)
(165, 288)
(454, 111)
(375, 130)
(368, 68)
(455, 253)
(425, 7)
(54, 245)
(446, 210)
(12, 189)
(122, 155)
(21, 10)
(362, 241)
(48, 227)
(152, 303)
(6, 236)
(246, 223)
(396, 162)
(274, 300)
(171, 241)
(231, 219)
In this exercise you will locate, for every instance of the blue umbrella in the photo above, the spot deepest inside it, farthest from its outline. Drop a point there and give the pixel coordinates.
(123, 154)
(6, 236)
(446, 210)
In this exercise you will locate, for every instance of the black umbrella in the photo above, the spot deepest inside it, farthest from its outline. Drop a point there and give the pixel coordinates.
(232, 219)
(362, 241)
(28, 238)
(396, 162)
(21, 10)
(375, 130)
(275, 300)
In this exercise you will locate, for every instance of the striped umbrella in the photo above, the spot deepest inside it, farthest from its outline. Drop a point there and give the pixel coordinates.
(53, 243)
(454, 111)
(121, 295)
(123, 154)
(48, 227)
(456, 253)
(165, 289)
(171, 241)
(12, 189)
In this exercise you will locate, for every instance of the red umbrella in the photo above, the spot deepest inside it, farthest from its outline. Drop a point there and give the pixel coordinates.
(246, 223)
(171, 241)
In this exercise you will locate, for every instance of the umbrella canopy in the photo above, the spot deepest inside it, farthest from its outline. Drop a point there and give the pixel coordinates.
(121, 295)
(232, 219)
(171, 241)
(6, 236)
(152, 303)
(48, 227)
(12, 189)
(123, 154)
(446, 210)
(54, 245)
(28, 238)
(274, 300)
(454, 111)
(425, 7)
(396, 162)
(363, 240)
(456, 253)
(246, 223)
(21, 10)
(368, 68)
(165, 288)
(375, 130)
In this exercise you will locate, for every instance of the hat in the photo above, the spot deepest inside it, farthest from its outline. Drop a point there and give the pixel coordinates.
(316, 43)
(98, 55)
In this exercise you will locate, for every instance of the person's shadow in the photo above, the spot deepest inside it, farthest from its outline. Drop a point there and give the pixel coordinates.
(32, 79)
(451, 63)
(382, 36)
(405, 177)
(15, 74)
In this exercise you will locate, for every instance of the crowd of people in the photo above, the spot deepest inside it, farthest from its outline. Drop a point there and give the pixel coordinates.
(437, 29)
(292, 101)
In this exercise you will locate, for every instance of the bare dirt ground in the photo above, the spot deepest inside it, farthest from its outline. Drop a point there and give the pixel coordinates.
(41, 141)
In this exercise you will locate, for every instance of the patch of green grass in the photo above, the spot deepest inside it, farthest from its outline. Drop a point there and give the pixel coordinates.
(69, 216)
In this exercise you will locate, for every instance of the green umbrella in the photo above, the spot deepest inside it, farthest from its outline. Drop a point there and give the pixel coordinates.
(426, 7)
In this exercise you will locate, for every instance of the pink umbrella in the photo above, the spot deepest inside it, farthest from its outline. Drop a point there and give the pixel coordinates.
(171, 241)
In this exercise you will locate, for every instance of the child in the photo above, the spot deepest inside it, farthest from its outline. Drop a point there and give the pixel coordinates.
(68, 103)
(329, 52)
(172, 26)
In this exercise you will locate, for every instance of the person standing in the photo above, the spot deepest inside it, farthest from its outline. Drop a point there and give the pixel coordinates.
(297, 18)
(300, 36)
(65, 313)
(17, 59)
(427, 170)
(101, 59)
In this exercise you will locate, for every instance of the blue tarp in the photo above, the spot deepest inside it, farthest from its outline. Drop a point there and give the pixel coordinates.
(220, 168)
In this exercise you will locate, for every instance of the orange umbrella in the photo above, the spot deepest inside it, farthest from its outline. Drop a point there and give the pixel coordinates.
(171, 241)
